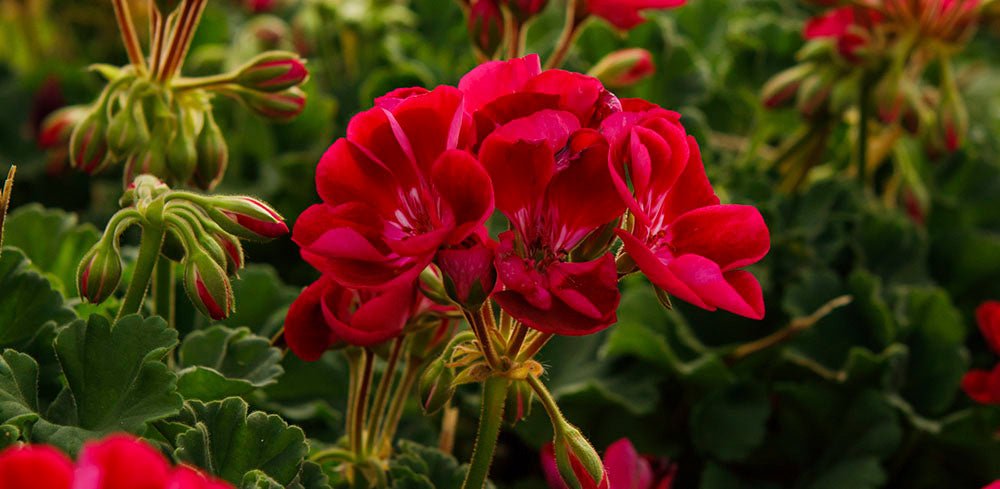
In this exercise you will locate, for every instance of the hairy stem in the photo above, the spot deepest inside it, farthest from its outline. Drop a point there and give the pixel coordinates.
(361, 402)
(399, 397)
(382, 393)
(490, 419)
(149, 254)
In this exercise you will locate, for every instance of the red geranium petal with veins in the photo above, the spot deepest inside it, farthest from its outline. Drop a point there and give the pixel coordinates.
(737, 291)
(346, 174)
(466, 189)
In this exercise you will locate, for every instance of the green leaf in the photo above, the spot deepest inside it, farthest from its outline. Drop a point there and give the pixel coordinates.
(220, 362)
(860, 473)
(729, 423)
(229, 443)
(54, 240)
(416, 466)
(28, 304)
(18, 385)
(115, 380)
(937, 357)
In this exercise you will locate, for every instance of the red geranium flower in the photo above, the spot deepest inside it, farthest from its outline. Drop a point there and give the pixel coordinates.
(624, 14)
(683, 239)
(395, 190)
(35, 466)
(552, 182)
(623, 466)
(849, 26)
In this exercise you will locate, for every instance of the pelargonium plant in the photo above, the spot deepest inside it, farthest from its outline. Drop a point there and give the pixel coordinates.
(402, 244)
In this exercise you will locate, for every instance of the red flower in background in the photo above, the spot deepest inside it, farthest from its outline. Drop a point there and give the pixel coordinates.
(395, 190)
(624, 14)
(849, 26)
(683, 239)
(116, 462)
(552, 182)
(981, 385)
(623, 466)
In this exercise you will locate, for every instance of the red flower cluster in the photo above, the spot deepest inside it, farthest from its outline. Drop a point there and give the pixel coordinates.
(116, 462)
(624, 468)
(416, 177)
(981, 385)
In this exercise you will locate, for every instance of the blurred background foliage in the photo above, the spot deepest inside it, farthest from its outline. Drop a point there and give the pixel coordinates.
(865, 396)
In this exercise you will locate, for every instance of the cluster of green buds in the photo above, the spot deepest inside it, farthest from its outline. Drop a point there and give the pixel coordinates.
(201, 232)
(156, 122)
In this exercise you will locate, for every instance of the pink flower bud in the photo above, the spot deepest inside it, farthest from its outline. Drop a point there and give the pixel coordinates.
(233, 251)
(783, 86)
(58, 126)
(207, 285)
(624, 67)
(468, 273)
(273, 71)
(436, 387)
(280, 106)
(576, 461)
(213, 156)
(100, 272)
(88, 146)
(953, 121)
(519, 399)
(247, 218)
(486, 26)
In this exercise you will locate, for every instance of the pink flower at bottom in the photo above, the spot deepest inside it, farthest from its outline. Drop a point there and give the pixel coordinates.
(624, 14)
(35, 466)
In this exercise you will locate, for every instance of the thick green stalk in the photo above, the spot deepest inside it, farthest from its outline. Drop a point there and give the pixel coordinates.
(382, 393)
(361, 406)
(149, 253)
(490, 419)
(164, 292)
(399, 397)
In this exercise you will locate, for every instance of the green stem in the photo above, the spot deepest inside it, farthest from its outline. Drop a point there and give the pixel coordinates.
(566, 38)
(203, 82)
(382, 393)
(129, 38)
(149, 253)
(399, 397)
(490, 419)
(548, 402)
(354, 373)
(164, 293)
(361, 403)
(334, 453)
(864, 107)
(534, 347)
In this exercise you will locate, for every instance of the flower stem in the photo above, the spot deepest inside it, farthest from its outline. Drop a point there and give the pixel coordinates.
(129, 38)
(534, 346)
(361, 402)
(548, 402)
(149, 253)
(203, 82)
(490, 419)
(164, 293)
(449, 422)
(566, 38)
(517, 340)
(391, 421)
(382, 393)
(477, 323)
(794, 328)
(354, 373)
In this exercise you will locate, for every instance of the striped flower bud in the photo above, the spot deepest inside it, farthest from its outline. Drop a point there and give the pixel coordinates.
(88, 146)
(273, 71)
(208, 286)
(100, 272)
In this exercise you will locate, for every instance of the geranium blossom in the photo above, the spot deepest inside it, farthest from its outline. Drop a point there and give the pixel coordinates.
(983, 386)
(624, 469)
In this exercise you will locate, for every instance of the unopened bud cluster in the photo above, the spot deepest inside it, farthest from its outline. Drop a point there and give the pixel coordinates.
(205, 229)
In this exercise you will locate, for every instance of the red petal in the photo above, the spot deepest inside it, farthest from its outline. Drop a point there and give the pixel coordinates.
(354, 261)
(733, 236)
(121, 462)
(377, 319)
(582, 197)
(692, 189)
(833, 23)
(466, 190)
(346, 174)
(656, 270)
(35, 466)
(625, 467)
(431, 123)
(577, 93)
(625, 15)
(393, 98)
(491, 80)
(509, 107)
(737, 292)
(306, 330)
(376, 133)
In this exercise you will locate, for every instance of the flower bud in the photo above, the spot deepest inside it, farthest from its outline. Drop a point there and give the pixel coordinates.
(279, 106)
(524, 10)
(88, 146)
(432, 285)
(233, 251)
(213, 155)
(469, 274)
(436, 387)
(100, 272)
(182, 152)
(150, 160)
(888, 97)
(207, 285)
(519, 397)
(272, 71)
(247, 218)
(173, 247)
(58, 126)
(953, 121)
(624, 67)
(578, 462)
(486, 26)
(813, 93)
